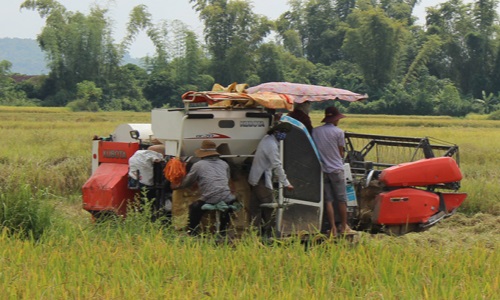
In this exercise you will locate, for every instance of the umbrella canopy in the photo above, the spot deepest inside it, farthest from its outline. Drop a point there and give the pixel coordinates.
(307, 92)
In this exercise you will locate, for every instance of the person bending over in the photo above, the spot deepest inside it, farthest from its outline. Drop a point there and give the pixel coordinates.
(212, 176)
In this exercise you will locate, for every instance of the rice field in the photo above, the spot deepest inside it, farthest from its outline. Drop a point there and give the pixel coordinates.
(45, 157)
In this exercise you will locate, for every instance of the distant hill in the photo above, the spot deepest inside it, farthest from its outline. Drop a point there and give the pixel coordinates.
(24, 54)
(27, 58)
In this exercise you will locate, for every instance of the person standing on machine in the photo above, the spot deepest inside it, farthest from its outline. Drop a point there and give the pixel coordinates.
(329, 139)
(265, 162)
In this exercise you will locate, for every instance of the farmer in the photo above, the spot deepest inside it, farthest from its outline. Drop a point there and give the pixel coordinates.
(265, 162)
(212, 175)
(329, 139)
(141, 175)
(301, 113)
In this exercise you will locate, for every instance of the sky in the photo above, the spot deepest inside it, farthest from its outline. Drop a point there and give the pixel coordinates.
(17, 23)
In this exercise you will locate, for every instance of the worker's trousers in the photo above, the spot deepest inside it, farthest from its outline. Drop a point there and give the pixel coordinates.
(261, 218)
(196, 213)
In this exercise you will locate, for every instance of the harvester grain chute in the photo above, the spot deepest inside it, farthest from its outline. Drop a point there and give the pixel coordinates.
(394, 184)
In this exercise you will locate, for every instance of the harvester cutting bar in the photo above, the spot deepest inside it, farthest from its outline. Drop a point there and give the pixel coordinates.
(397, 141)
(423, 143)
(394, 139)
(382, 137)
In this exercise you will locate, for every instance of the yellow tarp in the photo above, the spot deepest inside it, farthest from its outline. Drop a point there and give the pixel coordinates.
(235, 95)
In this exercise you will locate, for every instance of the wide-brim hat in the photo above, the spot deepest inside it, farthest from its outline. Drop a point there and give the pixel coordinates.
(332, 114)
(208, 148)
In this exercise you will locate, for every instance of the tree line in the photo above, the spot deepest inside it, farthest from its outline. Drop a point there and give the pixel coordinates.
(449, 66)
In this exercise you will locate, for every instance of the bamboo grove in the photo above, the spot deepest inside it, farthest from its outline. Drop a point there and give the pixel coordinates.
(449, 65)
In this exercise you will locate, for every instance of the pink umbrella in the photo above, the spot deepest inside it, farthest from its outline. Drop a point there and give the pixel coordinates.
(306, 92)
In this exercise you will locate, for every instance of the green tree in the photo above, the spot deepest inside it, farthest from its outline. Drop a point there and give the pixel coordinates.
(468, 55)
(88, 97)
(341, 74)
(78, 47)
(5, 80)
(141, 20)
(425, 91)
(291, 29)
(488, 102)
(81, 48)
(482, 45)
(297, 69)
(314, 29)
(449, 102)
(189, 62)
(291, 42)
(495, 72)
(343, 8)
(375, 42)
(323, 40)
(269, 63)
(32, 87)
(400, 10)
(398, 100)
(232, 34)
(10, 94)
(125, 92)
(160, 88)
(428, 49)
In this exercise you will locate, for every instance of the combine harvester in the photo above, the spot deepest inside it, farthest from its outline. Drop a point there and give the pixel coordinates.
(395, 184)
